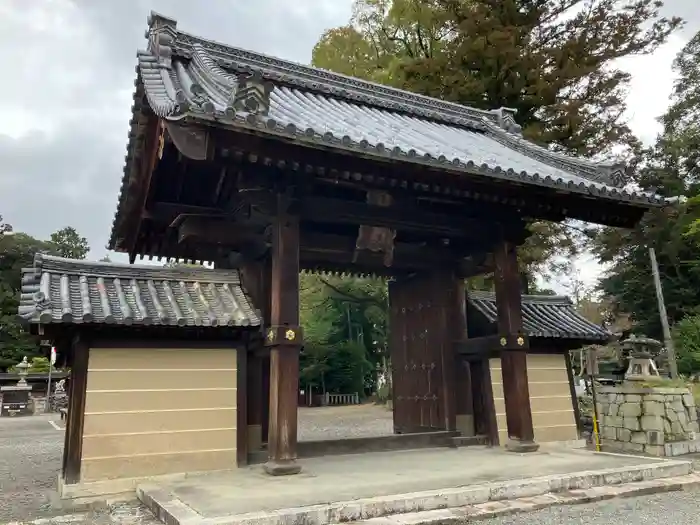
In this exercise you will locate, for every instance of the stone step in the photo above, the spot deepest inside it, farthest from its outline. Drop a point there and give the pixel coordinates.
(495, 509)
(173, 511)
(468, 441)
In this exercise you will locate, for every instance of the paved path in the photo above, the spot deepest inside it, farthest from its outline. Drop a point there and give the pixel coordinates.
(677, 508)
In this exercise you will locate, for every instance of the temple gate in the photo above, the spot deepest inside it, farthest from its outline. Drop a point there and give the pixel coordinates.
(272, 167)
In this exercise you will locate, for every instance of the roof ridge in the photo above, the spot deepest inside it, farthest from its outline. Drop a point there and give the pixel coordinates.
(55, 264)
(182, 43)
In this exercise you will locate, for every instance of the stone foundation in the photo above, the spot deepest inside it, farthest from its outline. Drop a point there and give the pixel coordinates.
(650, 420)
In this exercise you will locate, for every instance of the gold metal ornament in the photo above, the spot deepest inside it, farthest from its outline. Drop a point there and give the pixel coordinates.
(290, 335)
(504, 341)
(520, 341)
(271, 335)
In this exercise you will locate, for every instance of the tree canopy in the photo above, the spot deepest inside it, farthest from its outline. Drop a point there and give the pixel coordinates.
(670, 168)
(70, 244)
(17, 251)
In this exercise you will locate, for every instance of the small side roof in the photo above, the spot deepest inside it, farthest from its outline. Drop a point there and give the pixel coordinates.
(68, 291)
(550, 316)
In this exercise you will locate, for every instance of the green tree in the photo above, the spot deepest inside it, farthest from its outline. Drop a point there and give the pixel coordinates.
(4, 227)
(70, 244)
(340, 317)
(671, 169)
(686, 336)
(16, 252)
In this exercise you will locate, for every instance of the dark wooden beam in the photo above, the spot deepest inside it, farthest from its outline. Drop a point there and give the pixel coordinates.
(516, 390)
(323, 210)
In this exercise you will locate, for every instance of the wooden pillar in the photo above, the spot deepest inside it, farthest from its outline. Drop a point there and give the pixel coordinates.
(284, 337)
(521, 437)
(462, 384)
(255, 276)
(73, 448)
(485, 423)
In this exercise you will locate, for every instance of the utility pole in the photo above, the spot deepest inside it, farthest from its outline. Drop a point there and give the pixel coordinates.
(668, 342)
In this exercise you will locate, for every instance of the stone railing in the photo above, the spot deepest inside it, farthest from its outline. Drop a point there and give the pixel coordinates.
(659, 421)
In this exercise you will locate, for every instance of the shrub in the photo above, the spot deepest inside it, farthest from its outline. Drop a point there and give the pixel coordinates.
(686, 336)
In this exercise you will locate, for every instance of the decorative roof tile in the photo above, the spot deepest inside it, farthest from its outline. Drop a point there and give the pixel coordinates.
(544, 316)
(68, 291)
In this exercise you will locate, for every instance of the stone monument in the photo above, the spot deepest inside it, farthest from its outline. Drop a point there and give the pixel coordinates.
(15, 399)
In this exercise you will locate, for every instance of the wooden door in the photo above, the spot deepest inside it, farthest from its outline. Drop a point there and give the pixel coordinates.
(420, 346)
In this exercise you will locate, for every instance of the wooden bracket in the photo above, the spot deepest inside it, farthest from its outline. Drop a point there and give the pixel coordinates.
(284, 335)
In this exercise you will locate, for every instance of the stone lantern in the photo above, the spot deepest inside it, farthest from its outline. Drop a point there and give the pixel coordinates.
(22, 371)
(641, 365)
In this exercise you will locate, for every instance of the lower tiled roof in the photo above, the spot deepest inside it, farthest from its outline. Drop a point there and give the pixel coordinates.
(58, 290)
(544, 316)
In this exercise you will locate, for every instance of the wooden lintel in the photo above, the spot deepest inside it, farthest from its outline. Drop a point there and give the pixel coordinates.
(323, 210)
(491, 344)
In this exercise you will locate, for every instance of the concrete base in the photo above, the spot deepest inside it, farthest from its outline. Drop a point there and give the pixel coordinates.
(349, 488)
(288, 468)
(521, 447)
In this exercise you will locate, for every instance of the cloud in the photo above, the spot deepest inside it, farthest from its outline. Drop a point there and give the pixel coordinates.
(65, 101)
(68, 78)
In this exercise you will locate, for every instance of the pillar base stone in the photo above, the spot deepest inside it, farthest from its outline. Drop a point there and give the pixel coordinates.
(515, 445)
(282, 468)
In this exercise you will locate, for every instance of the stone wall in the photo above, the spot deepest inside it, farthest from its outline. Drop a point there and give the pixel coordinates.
(650, 420)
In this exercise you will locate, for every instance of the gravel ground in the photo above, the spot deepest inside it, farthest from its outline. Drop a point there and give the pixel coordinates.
(30, 459)
(31, 449)
(344, 422)
(677, 508)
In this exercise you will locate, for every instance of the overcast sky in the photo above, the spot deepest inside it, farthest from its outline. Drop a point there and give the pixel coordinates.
(66, 91)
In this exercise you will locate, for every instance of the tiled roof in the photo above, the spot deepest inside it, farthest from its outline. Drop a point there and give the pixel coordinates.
(58, 290)
(544, 316)
(186, 76)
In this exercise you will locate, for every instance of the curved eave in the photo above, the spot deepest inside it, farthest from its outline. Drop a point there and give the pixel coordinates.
(549, 317)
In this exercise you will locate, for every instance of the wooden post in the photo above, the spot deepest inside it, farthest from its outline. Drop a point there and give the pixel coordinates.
(73, 453)
(255, 276)
(464, 402)
(668, 340)
(284, 338)
(521, 436)
(485, 423)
